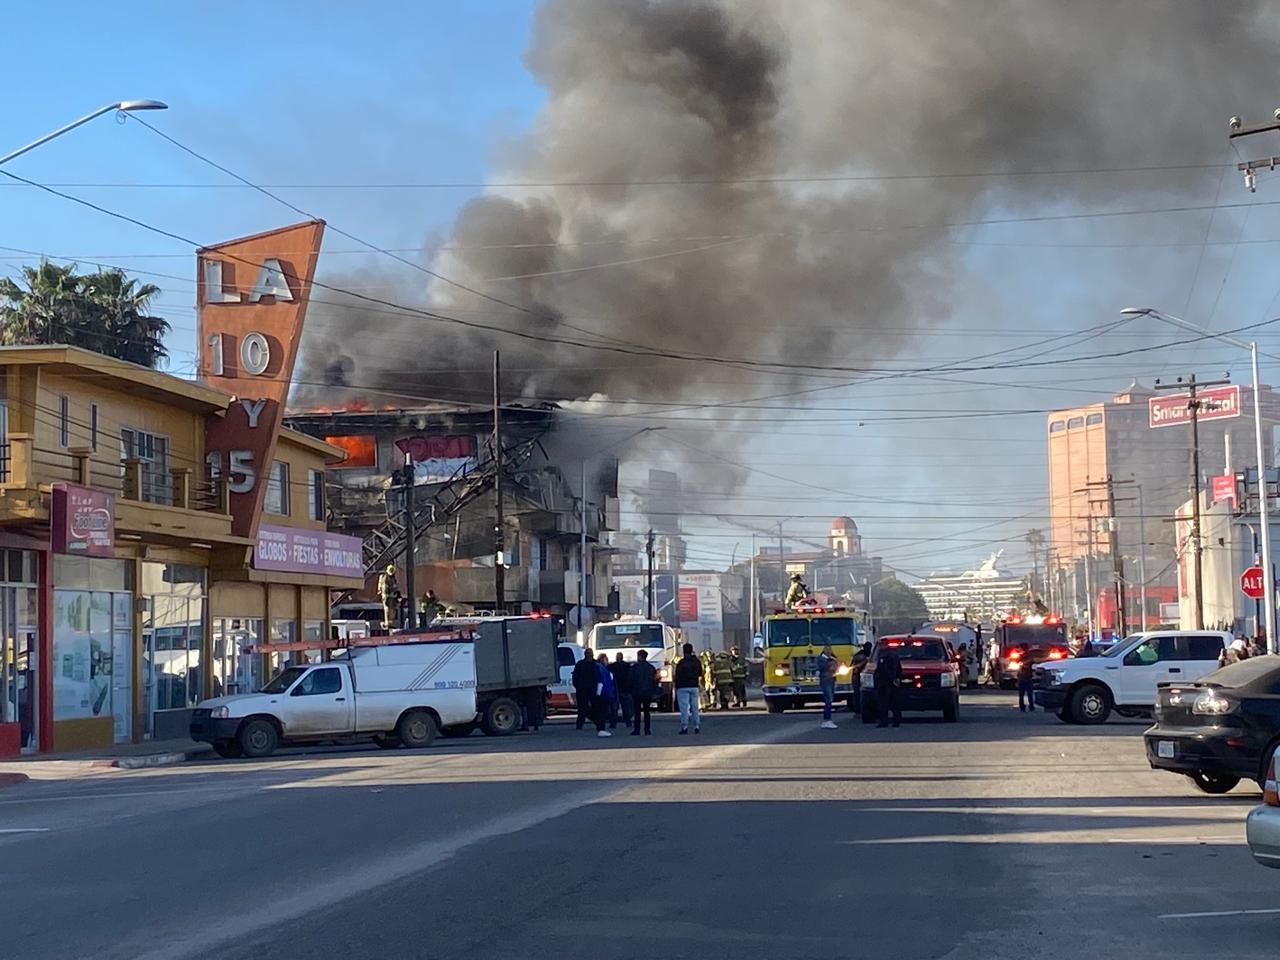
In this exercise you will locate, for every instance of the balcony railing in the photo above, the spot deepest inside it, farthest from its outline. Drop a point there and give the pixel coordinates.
(23, 466)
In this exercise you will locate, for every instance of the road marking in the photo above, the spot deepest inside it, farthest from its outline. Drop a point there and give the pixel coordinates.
(420, 858)
(24, 829)
(1217, 913)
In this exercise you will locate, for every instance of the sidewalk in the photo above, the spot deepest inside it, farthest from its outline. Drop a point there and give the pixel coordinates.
(103, 760)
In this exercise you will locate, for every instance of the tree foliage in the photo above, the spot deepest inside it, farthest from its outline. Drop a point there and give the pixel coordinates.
(105, 311)
(897, 607)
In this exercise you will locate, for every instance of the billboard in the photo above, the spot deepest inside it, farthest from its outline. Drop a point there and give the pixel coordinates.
(1216, 403)
(252, 297)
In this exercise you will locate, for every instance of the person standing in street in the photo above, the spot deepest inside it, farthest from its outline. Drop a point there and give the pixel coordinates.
(722, 673)
(739, 667)
(621, 671)
(607, 707)
(1026, 685)
(585, 681)
(688, 686)
(860, 658)
(887, 677)
(827, 667)
(644, 687)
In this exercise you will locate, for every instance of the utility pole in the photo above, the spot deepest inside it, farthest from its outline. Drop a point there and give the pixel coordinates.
(499, 558)
(410, 544)
(752, 587)
(782, 566)
(648, 549)
(1191, 385)
(1113, 544)
(582, 547)
(1142, 556)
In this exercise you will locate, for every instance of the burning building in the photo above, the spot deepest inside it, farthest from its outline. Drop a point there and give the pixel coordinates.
(546, 518)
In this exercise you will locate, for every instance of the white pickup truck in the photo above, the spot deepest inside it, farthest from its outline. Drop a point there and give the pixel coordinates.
(395, 695)
(1125, 678)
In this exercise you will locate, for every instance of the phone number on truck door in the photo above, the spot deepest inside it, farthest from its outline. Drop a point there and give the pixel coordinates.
(454, 684)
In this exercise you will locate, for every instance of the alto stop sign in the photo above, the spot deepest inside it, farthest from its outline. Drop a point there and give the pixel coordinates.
(1251, 583)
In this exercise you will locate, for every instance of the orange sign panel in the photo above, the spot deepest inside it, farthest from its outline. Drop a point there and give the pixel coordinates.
(253, 295)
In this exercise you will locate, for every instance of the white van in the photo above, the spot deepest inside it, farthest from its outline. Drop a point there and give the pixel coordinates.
(630, 635)
(1125, 678)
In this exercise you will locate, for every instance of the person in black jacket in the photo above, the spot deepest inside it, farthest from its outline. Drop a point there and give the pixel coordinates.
(621, 671)
(887, 677)
(644, 687)
(688, 684)
(585, 681)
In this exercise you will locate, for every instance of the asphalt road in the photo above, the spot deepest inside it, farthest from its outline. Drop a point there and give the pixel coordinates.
(1004, 835)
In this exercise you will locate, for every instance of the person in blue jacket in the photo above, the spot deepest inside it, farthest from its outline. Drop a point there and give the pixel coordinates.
(607, 695)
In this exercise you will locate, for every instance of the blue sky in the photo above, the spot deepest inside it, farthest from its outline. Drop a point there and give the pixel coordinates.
(281, 93)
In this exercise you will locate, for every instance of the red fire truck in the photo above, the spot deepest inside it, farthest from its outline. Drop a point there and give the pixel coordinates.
(1044, 636)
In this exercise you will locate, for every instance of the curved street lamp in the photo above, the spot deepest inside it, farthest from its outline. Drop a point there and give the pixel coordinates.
(129, 106)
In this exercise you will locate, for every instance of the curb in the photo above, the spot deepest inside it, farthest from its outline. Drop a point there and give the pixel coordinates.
(153, 760)
(12, 779)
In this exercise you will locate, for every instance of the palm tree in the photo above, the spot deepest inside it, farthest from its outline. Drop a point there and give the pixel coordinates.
(104, 311)
(1034, 540)
(131, 332)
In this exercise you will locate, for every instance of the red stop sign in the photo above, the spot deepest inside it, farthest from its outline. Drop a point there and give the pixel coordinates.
(1251, 583)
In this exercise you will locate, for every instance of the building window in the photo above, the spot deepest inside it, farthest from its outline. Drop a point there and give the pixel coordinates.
(1093, 418)
(277, 499)
(1057, 426)
(93, 426)
(315, 494)
(234, 670)
(64, 421)
(1075, 422)
(153, 450)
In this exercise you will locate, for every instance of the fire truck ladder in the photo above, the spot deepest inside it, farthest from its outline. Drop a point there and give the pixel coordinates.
(386, 544)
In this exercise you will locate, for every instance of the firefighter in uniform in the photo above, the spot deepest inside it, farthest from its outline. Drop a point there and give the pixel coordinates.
(797, 591)
(722, 670)
(430, 607)
(739, 667)
(389, 593)
(708, 680)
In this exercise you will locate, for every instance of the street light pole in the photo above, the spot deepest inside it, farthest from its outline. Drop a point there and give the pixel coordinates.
(1264, 509)
(128, 106)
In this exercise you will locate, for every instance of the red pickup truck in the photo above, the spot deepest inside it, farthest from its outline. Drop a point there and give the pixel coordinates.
(930, 677)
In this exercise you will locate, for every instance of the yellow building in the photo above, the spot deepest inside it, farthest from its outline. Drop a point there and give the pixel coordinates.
(125, 597)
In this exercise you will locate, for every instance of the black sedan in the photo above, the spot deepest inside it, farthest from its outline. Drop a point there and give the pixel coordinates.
(1221, 729)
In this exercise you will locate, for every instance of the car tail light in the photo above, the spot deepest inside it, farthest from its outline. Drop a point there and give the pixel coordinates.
(1270, 793)
(1209, 704)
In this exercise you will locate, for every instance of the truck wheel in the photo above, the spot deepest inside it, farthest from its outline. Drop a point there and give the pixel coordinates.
(258, 738)
(1090, 704)
(1065, 715)
(951, 712)
(1213, 782)
(775, 706)
(417, 728)
(228, 749)
(501, 718)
